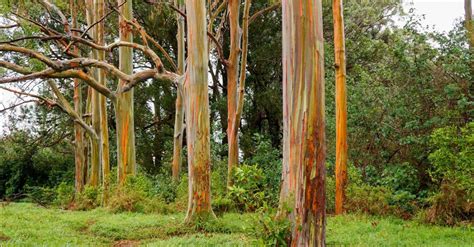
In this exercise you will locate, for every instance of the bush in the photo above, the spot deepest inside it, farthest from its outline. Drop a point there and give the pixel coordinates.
(271, 231)
(368, 199)
(450, 206)
(452, 161)
(43, 196)
(88, 199)
(268, 158)
(64, 195)
(137, 194)
(248, 191)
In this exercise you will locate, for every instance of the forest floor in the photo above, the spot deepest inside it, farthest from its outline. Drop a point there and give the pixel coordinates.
(24, 224)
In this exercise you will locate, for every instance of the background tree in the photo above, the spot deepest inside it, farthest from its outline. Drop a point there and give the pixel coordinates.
(341, 108)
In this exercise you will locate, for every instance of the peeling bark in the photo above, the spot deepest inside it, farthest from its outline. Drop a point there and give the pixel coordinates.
(197, 114)
(79, 156)
(124, 105)
(304, 122)
(341, 106)
(179, 115)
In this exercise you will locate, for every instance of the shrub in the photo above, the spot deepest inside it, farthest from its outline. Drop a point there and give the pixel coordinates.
(88, 199)
(248, 192)
(268, 158)
(368, 199)
(43, 196)
(271, 231)
(64, 195)
(449, 206)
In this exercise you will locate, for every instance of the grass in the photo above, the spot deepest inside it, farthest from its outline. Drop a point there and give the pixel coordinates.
(23, 224)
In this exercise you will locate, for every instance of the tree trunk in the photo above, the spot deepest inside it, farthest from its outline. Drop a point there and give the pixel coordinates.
(78, 131)
(197, 114)
(232, 81)
(341, 106)
(468, 22)
(101, 79)
(95, 104)
(124, 107)
(304, 123)
(179, 115)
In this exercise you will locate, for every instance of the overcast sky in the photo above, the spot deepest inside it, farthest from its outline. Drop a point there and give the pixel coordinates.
(439, 14)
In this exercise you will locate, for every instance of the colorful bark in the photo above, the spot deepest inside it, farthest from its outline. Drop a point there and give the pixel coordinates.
(341, 106)
(95, 107)
(304, 121)
(124, 105)
(79, 157)
(99, 8)
(232, 81)
(236, 82)
(197, 114)
(179, 115)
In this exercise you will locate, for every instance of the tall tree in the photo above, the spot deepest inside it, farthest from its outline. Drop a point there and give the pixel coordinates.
(468, 22)
(341, 105)
(197, 113)
(179, 115)
(96, 150)
(304, 121)
(124, 106)
(236, 81)
(79, 157)
(99, 8)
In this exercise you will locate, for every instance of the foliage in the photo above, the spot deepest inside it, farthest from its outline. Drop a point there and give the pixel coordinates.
(453, 156)
(268, 158)
(271, 231)
(248, 192)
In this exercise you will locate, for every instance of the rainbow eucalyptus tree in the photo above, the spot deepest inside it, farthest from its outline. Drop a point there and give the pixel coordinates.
(197, 114)
(304, 124)
(179, 115)
(99, 10)
(236, 81)
(341, 106)
(124, 107)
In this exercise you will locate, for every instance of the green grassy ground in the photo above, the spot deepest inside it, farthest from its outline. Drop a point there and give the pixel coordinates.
(23, 224)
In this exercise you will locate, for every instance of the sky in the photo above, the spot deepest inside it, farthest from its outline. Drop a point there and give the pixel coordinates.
(439, 14)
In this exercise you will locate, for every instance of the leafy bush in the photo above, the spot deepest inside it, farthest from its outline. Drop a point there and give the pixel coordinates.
(88, 199)
(248, 191)
(268, 158)
(369, 199)
(43, 196)
(452, 160)
(453, 156)
(450, 206)
(271, 231)
(64, 195)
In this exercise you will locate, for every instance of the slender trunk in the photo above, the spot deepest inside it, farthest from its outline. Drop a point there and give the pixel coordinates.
(124, 107)
(341, 106)
(232, 81)
(197, 114)
(468, 22)
(179, 115)
(95, 104)
(101, 78)
(78, 131)
(304, 147)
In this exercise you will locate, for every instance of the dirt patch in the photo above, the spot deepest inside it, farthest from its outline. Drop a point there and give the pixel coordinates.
(4, 237)
(126, 243)
(87, 226)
